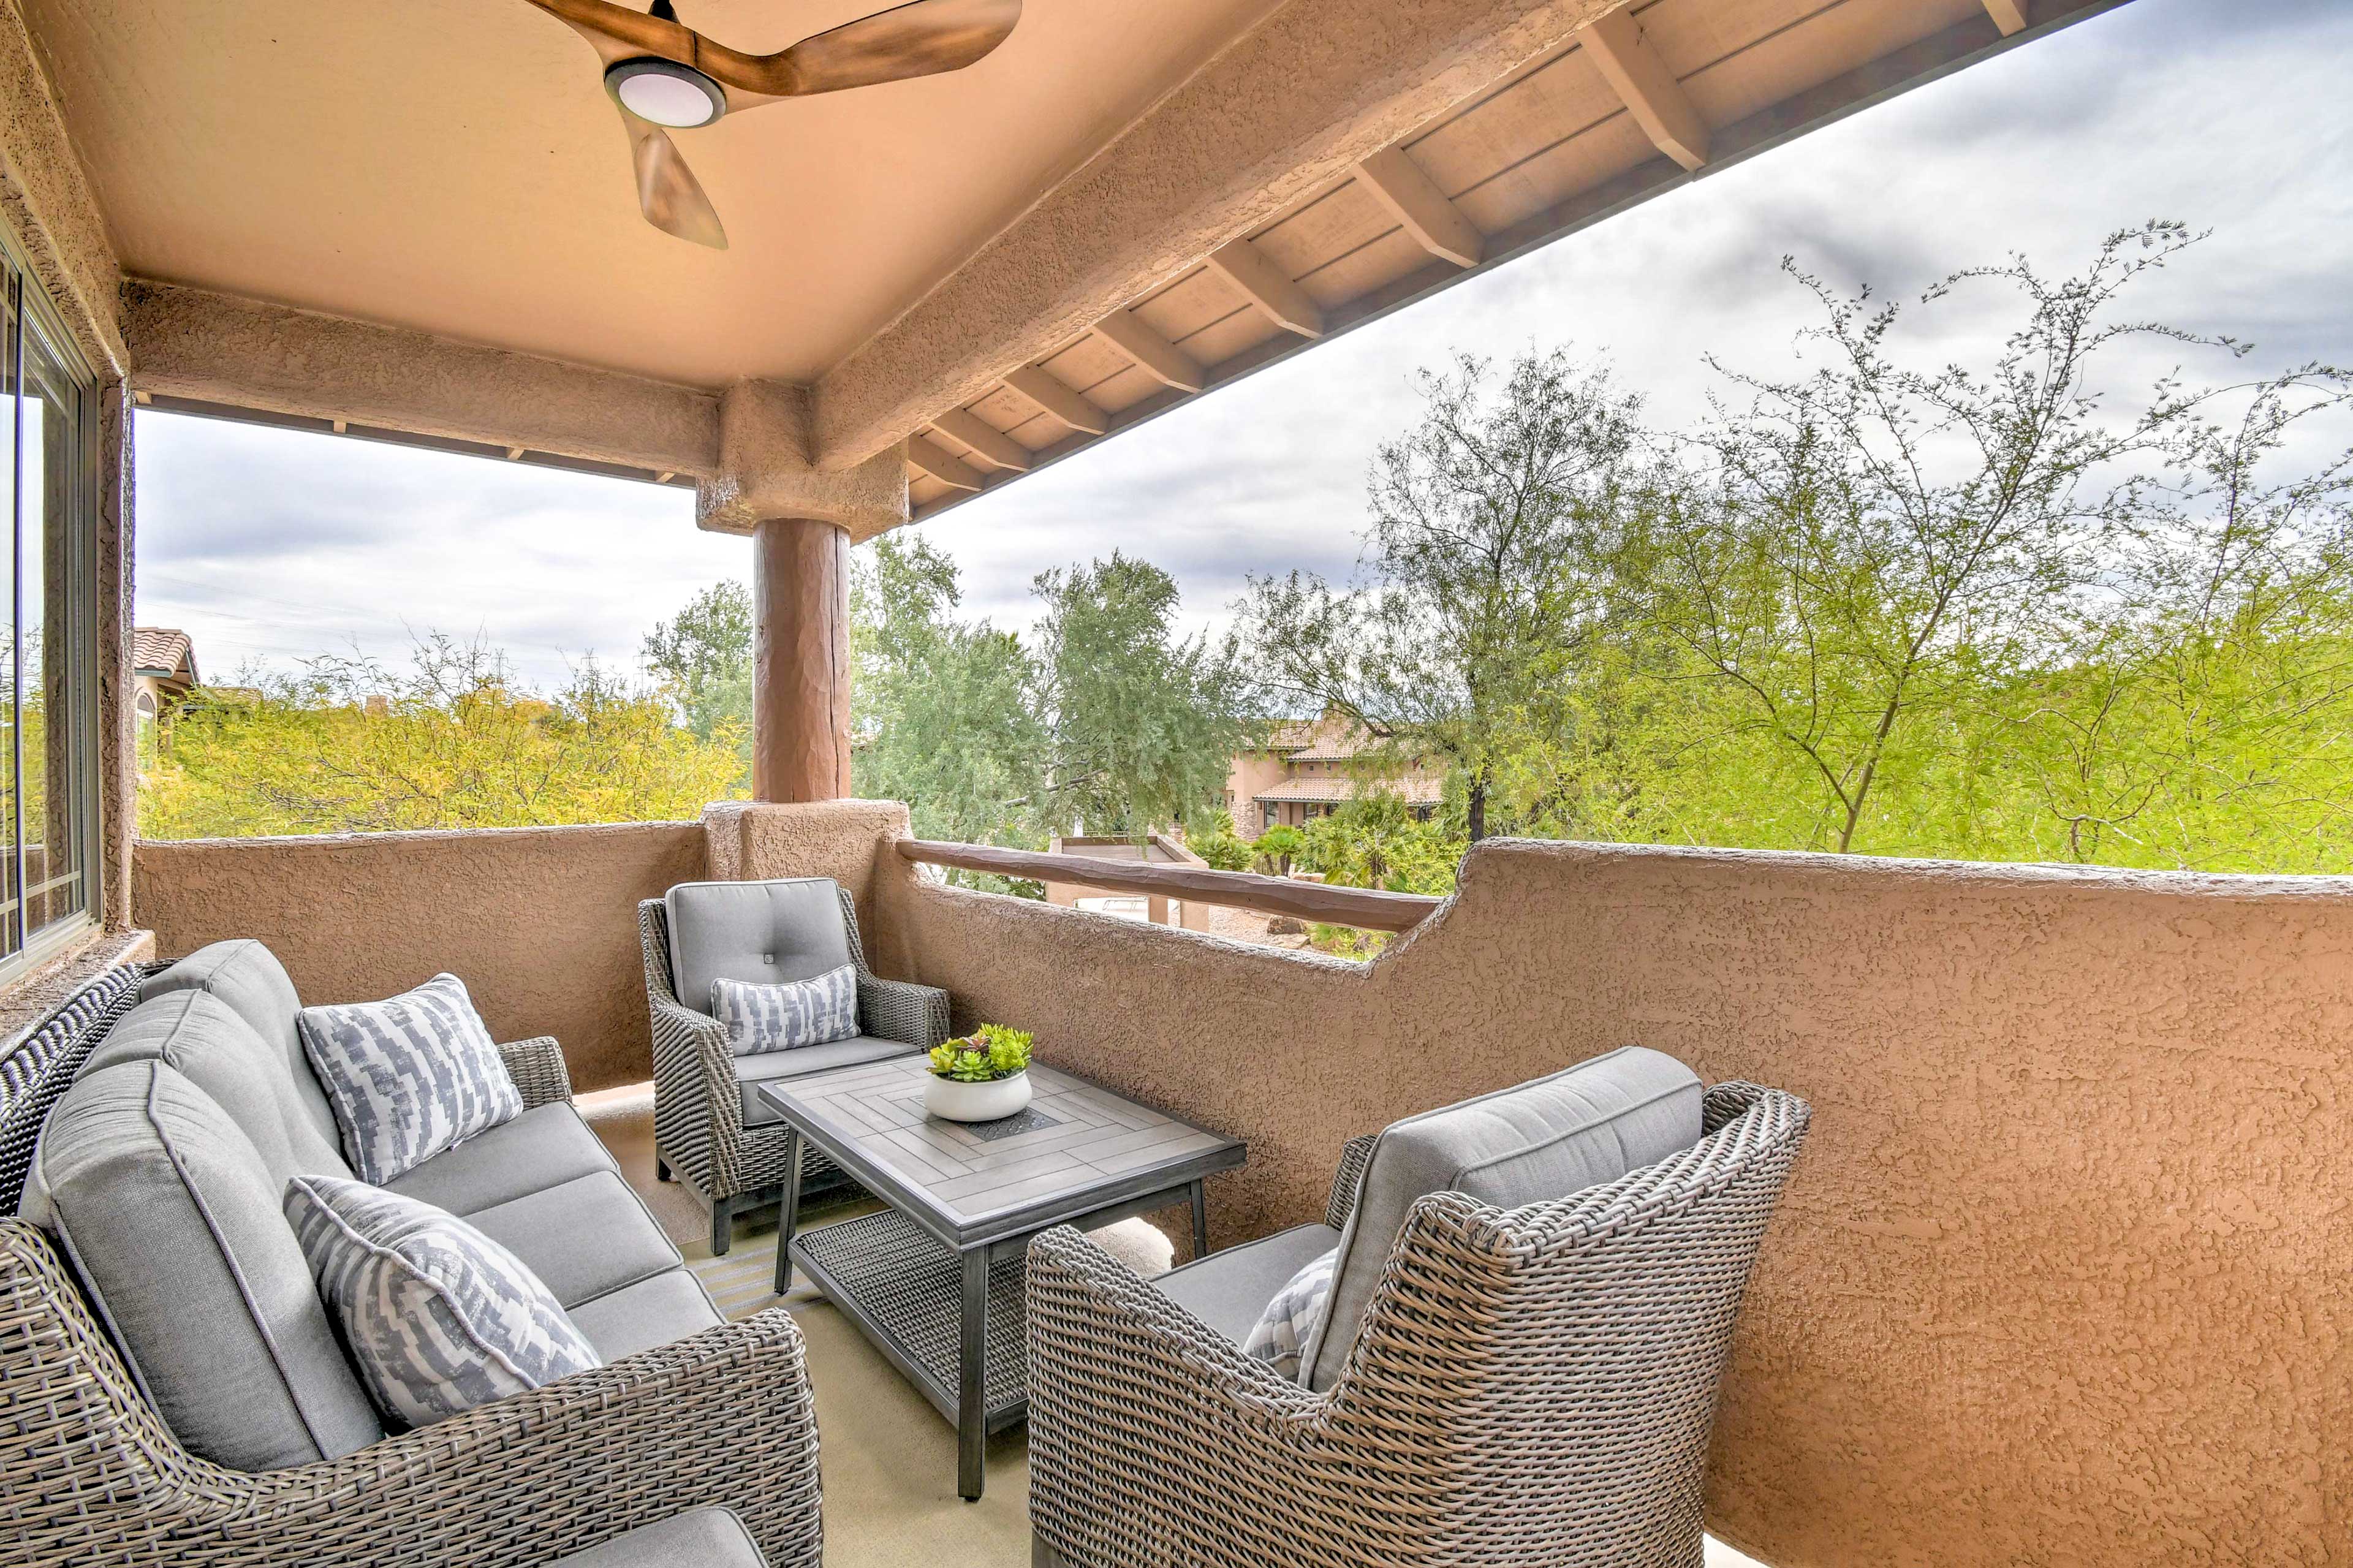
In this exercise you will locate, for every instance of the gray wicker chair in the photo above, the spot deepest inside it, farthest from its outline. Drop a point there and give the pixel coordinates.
(1531, 1385)
(698, 1128)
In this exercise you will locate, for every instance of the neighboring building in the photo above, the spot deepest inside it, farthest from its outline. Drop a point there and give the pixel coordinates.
(1311, 767)
(163, 673)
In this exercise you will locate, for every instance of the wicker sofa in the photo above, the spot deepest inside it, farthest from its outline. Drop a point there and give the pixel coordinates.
(177, 1396)
(1528, 1383)
(709, 1126)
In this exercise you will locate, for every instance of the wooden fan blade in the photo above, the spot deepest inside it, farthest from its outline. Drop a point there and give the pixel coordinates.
(668, 193)
(920, 39)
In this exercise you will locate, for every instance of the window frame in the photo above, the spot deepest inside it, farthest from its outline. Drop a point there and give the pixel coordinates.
(36, 310)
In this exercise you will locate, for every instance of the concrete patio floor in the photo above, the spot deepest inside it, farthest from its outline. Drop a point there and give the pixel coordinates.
(890, 1461)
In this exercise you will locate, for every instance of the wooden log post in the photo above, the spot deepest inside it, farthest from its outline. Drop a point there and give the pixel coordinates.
(800, 681)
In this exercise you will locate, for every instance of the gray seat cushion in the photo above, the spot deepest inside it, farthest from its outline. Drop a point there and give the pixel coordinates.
(248, 977)
(701, 1538)
(774, 1067)
(1591, 1124)
(1228, 1289)
(646, 1315)
(173, 1221)
(545, 1147)
(765, 932)
(208, 1043)
(585, 1238)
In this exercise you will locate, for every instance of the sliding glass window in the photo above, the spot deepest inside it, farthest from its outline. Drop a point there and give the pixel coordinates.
(48, 659)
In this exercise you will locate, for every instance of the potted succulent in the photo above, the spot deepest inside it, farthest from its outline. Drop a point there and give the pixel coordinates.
(981, 1078)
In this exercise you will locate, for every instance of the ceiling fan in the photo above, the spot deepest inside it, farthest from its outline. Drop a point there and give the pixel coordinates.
(661, 73)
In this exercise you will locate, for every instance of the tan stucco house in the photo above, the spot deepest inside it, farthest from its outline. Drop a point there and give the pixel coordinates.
(1308, 768)
(162, 672)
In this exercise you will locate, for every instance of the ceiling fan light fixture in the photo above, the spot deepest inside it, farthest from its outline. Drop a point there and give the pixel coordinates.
(666, 93)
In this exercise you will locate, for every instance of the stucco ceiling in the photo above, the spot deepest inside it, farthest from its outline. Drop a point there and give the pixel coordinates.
(454, 165)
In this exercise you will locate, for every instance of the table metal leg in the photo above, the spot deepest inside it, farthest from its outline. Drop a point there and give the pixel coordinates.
(971, 1378)
(1200, 1222)
(789, 1213)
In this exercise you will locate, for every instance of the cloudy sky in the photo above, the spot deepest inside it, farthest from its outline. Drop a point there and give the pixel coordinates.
(2231, 115)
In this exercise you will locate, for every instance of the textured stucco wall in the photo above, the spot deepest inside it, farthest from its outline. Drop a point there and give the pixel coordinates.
(1284, 111)
(2063, 1277)
(47, 201)
(540, 922)
(193, 343)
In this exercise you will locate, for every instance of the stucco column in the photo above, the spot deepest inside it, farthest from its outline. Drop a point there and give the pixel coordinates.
(802, 519)
(800, 672)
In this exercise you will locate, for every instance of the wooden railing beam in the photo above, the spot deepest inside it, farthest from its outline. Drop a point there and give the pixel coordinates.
(1364, 908)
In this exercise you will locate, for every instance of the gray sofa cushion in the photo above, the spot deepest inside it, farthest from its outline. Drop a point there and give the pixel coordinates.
(173, 1220)
(1591, 1124)
(701, 1538)
(410, 1076)
(441, 1319)
(208, 1043)
(585, 1238)
(545, 1147)
(648, 1314)
(1228, 1289)
(765, 932)
(771, 1067)
(248, 977)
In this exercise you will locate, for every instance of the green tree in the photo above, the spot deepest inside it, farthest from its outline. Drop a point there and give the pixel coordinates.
(941, 708)
(1142, 724)
(1486, 567)
(702, 658)
(1211, 836)
(1273, 850)
(1376, 841)
(1873, 546)
(350, 745)
(1108, 719)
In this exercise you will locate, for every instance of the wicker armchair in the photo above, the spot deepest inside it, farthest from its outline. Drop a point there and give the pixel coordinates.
(93, 1476)
(1531, 1385)
(698, 1130)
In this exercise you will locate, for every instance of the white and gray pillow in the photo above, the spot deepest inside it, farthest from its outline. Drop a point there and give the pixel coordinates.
(1281, 1332)
(438, 1317)
(408, 1076)
(763, 1019)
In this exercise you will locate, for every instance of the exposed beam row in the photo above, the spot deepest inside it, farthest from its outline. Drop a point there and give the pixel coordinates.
(1042, 388)
(993, 446)
(2009, 16)
(929, 456)
(1437, 225)
(1654, 98)
(1155, 355)
(1265, 285)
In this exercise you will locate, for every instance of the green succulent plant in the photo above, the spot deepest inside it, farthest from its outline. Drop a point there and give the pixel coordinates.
(990, 1052)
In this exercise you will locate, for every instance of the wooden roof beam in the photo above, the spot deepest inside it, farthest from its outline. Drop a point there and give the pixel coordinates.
(929, 456)
(1041, 387)
(1153, 355)
(1263, 283)
(1437, 225)
(993, 446)
(2009, 16)
(1648, 89)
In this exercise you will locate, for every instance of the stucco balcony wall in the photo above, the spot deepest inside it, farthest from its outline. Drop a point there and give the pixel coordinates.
(2060, 1275)
(540, 922)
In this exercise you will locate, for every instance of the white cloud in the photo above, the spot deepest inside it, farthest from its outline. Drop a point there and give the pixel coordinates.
(267, 544)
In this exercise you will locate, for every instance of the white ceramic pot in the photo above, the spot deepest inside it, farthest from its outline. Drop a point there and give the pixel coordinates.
(952, 1102)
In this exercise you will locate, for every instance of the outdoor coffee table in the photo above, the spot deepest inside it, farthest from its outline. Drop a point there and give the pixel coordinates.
(940, 1274)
